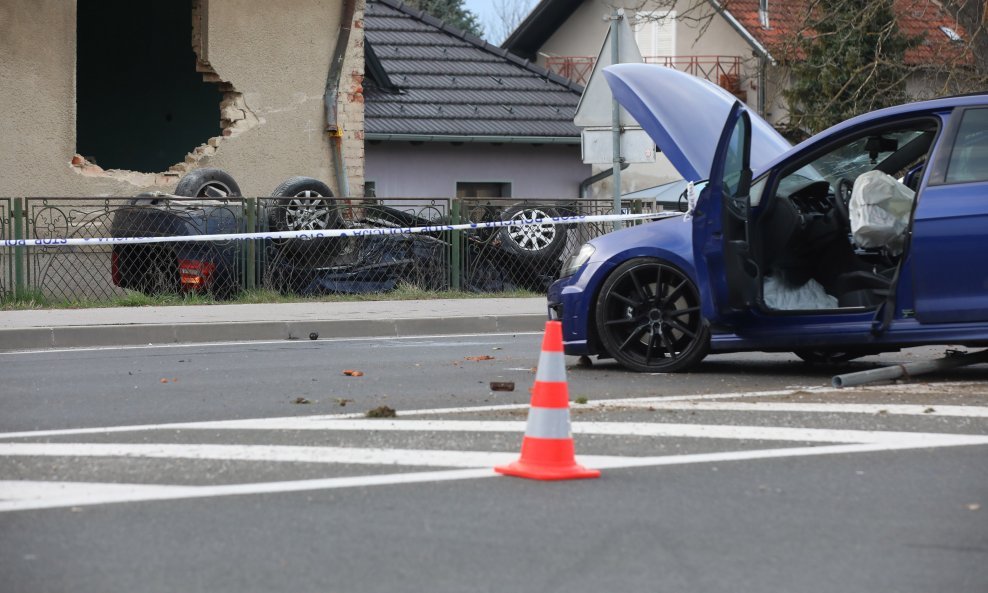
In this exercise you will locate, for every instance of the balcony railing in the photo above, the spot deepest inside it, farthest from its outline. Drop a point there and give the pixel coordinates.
(722, 70)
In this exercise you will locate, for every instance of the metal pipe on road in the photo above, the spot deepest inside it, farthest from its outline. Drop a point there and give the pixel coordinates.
(951, 361)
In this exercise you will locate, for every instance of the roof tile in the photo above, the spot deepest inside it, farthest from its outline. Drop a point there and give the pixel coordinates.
(455, 84)
(915, 18)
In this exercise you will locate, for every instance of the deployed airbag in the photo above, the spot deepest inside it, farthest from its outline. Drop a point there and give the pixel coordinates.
(879, 210)
(779, 296)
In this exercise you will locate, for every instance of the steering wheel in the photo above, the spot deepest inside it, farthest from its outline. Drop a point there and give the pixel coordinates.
(842, 202)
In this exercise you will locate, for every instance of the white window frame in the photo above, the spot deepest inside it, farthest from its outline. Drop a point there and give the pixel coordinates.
(655, 29)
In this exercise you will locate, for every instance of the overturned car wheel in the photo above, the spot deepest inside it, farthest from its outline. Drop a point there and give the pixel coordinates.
(308, 207)
(207, 183)
(648, 317)
(534, 242)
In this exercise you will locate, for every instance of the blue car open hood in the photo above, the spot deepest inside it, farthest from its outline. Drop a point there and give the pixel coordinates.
(686, 115)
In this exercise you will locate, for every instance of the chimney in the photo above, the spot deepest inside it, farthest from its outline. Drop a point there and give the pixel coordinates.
(763, 14)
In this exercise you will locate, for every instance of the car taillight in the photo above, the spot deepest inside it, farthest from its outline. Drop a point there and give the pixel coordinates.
(194, 274)
(115, 276)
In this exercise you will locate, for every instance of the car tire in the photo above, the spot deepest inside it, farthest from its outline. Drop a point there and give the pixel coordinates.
(532, 243)
(648, 317)
(308, 206)
(207, 183)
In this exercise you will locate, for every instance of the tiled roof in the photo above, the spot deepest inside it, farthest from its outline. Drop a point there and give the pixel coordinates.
(786, 18)
(915, 18)
(442, 81)
(542, 21)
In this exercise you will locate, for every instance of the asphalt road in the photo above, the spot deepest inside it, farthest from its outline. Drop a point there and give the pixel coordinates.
(194, 469)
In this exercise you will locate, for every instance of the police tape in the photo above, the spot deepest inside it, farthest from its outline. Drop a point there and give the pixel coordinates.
(332, 233)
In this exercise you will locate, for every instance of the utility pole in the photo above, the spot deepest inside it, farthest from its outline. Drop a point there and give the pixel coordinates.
(616, 18)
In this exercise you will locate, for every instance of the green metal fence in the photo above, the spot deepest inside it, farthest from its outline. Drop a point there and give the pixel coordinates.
(478, 260)
(6, 253)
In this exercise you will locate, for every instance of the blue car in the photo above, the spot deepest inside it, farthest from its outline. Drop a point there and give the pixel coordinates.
(868, 237)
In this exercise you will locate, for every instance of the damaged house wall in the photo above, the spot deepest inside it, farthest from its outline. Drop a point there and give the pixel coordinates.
(263, 63)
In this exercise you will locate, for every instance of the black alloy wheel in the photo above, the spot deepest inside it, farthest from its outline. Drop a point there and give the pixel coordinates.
(648, 317)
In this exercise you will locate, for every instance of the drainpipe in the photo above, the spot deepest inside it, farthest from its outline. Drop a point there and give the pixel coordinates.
(762, 65)
(332, 94)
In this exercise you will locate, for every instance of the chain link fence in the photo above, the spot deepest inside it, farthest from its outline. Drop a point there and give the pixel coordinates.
(375, 256)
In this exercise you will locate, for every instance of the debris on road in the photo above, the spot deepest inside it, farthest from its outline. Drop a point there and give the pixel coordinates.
(502, 385)
(953, 359)
(477, 358)
(314, 335)
(342, 401)
(353, 373)
(301, 400)
(382, 412)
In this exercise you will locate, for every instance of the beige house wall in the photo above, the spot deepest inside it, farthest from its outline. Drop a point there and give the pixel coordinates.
(274, 55)
(702, 33)
(583, 34)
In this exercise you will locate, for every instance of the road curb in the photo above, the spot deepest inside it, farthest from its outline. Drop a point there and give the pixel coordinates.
(40, 338)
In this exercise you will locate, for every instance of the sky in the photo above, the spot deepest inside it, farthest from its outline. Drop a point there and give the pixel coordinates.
(484, 9)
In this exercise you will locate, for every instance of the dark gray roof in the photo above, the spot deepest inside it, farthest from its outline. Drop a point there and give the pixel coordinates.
(539, 25)
(426, 78)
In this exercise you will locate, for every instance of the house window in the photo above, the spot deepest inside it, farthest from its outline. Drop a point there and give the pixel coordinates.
(370, 189)
(482, 189)
(655, 33)
(141, 105)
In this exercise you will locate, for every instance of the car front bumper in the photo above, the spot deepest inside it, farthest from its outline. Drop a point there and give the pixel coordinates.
(570, 301)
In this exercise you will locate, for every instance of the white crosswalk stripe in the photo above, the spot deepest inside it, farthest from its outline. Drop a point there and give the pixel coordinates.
(451, 465)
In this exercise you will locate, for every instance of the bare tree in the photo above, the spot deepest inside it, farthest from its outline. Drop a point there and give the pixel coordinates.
(839, 58)
(508, 15)
(698, 13)
(452, 12)
(973, 17)
(848, 58)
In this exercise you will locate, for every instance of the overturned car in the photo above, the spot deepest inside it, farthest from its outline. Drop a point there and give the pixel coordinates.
(208, 202)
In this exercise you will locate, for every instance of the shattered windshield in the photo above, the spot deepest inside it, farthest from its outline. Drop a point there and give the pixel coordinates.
(861, 155)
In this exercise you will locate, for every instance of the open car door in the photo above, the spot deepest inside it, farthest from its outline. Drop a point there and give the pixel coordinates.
(706, 133)
(721, 217)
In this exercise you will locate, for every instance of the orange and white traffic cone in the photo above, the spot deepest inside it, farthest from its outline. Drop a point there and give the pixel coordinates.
(547, 450)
